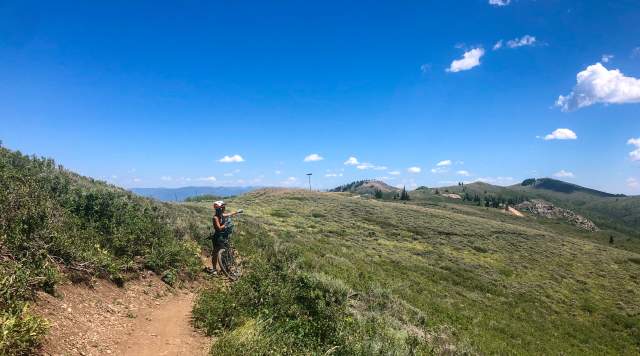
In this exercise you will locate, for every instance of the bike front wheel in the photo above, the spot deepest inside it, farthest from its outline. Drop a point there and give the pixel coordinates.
(228, 262)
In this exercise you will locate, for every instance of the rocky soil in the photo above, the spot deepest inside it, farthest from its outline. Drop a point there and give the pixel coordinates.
(546, 209)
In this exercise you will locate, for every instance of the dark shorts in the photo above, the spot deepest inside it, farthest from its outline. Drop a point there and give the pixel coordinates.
(219, 241)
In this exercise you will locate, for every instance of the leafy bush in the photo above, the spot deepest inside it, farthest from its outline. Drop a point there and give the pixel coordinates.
(52, 221)
(20, 331)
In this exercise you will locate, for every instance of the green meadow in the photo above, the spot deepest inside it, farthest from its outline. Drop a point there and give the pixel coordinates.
(479, 280)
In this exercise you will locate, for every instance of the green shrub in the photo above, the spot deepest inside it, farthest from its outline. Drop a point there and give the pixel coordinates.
(20, 331)
(52, 221)
(279, 308)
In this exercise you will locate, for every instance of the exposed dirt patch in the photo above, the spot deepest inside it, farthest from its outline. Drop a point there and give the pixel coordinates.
(515, 212)
(105, 319)
(166, 331)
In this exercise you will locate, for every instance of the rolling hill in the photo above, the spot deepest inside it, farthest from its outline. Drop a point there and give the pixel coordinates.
(616, 213)
(368, 188)
(425, 279)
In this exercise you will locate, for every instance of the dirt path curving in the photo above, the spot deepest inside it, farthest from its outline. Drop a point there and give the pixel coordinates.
(145, 317)
(166, 330)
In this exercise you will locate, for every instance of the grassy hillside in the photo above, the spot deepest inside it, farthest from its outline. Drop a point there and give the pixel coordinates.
(615, 215)
(428, 279)
(57, 225)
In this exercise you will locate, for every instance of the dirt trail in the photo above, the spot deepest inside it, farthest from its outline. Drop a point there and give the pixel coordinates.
(166, 331)
(145, 317)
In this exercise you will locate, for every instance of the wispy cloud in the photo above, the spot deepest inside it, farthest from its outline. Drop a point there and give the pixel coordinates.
(314, 157)
(351, 161)
(231, 159)
(333, 175)
(395, 173)
(597, 84)
(367, 165)
(499, 2)
(446, 162)
(606, 58)
(633, 183)
(526, 40)
(414, 169)
(563, 174)
(289, 181)
(463, 173)
(561, 134)
(470, 59)
(207, 179)
(166, 178)
(635, 154)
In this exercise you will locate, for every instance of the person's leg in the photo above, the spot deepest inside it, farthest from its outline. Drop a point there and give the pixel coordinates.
(214, 254)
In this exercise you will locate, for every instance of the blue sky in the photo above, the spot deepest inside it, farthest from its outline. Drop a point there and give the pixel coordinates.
(152, 93)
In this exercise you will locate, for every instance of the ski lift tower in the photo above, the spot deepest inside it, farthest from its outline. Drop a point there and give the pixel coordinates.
(309, 175)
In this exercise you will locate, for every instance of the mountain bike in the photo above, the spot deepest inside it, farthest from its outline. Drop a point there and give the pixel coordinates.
(227, 257)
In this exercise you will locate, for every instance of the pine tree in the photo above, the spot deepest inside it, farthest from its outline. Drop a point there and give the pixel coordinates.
(404, 195)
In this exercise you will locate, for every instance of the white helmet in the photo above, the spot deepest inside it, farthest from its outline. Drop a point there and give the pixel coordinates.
(218, 204)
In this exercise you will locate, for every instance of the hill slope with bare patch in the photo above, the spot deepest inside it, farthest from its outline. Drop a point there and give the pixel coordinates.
(485, 283)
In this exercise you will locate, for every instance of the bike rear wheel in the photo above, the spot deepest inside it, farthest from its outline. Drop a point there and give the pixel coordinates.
(228, 263)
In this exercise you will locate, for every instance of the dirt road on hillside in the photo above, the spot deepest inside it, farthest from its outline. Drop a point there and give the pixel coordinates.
(166, 330)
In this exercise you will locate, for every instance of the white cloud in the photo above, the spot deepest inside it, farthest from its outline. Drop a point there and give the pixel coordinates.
(395, 173)
(526, 40)
(597, 84)
(635, 53)
(313, 158)
(633, 183)
(606, 58)
(469, 60)
(635, 154)
(278, 172)
(367, 165)
(499, 2)
(446, 162)
(290, 181)
(166, 178)
(561, 134)
(414, 169)
(228, 174)
(425, 68)
(498, 45)
(564, 174)
(439, 170)
(208, 179)
(331, 175)
(231, 159)
(351, 161)
(137, 180)
(463, 173)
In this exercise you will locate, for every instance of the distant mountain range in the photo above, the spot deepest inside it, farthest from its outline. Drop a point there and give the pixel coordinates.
(180, 194)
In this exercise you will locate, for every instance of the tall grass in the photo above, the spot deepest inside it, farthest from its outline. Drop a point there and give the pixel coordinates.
(279, 307)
